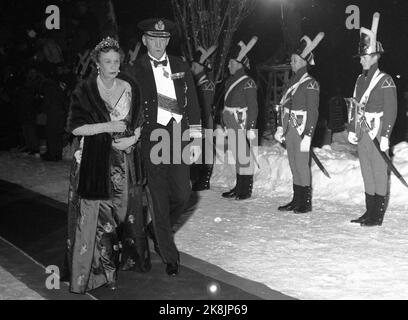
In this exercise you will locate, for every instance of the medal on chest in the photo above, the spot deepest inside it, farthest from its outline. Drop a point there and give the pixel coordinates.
(165, 73)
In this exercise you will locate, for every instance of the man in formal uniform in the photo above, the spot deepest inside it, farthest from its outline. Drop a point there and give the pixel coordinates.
(299, 111)
(239, 118)
(170, 106)
(202, 170)
(372, 119)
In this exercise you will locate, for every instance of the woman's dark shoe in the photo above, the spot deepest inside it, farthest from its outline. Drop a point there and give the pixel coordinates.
(111, 277)
(112, 285)
(172, 269)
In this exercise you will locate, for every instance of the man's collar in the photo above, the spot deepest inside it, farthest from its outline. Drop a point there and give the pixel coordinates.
(299, 74)
(238, 74)
(164, 57)
(301, 71)
(370, 72)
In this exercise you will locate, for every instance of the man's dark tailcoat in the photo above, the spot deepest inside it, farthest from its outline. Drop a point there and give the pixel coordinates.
(168, 184)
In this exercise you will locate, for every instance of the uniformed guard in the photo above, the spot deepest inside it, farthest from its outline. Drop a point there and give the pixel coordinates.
(372, 118)
(200, 66)
(239, 117)
(170, 106)
(299, 110)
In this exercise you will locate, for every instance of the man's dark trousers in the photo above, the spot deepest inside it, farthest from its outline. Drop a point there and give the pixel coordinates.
(170, 189)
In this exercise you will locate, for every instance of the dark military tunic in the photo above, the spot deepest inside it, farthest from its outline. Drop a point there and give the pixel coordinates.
(205, 91)
(381, 113)
(240, 112)
(202, 169)
(302, 104)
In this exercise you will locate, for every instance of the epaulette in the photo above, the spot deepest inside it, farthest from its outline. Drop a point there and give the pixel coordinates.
(388, 83)
(203, 79)
(250, 84)
(313, 85)
(209, 86)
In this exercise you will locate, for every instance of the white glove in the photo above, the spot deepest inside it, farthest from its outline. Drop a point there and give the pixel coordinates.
(78, 156)
(195, 152)
(137, 132)
(278, 134)
(251, 135)
(220, 131)
(384, 144)
(305, 144)
(352, 138)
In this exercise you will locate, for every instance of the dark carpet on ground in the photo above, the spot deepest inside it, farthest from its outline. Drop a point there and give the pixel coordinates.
(37, 225)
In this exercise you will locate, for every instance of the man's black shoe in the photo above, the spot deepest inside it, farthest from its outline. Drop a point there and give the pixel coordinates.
(172, 269)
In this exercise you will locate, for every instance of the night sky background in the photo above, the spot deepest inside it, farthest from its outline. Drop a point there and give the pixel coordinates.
(335, 65)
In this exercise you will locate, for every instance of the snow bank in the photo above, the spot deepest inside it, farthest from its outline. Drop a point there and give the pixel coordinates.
(340, 160)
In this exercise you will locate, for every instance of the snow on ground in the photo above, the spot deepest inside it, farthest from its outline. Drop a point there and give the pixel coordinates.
(319, 255)
(346, 184)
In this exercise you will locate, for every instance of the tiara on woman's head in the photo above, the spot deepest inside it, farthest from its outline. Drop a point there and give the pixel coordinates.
(107, 42)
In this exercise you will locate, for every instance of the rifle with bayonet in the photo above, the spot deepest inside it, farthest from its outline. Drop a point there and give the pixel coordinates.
(357, 110)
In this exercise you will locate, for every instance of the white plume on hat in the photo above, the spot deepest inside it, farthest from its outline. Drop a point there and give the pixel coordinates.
(307, 53)
(373, 46)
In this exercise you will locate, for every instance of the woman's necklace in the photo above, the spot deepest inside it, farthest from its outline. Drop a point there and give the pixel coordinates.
(107, 92)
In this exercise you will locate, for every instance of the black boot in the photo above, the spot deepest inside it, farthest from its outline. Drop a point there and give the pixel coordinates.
(203, 182)
(305, 200)
(245, 189)
(291, 205)
(377, 215)
(370, 204)
(233, 192)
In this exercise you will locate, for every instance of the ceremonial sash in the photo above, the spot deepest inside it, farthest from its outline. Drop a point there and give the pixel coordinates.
(233, 85)
(375, 79)
(291, 91)
(293, 88)
(372, 119)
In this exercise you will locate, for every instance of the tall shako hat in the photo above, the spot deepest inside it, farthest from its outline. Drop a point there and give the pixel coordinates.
(201, 55)
(157, 27)
(307, 46)
(368, 39)
(239, 53)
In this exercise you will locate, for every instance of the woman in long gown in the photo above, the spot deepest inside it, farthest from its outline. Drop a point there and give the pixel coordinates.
(105, 196)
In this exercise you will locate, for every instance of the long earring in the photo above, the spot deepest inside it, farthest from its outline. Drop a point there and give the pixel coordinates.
(99, 70)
